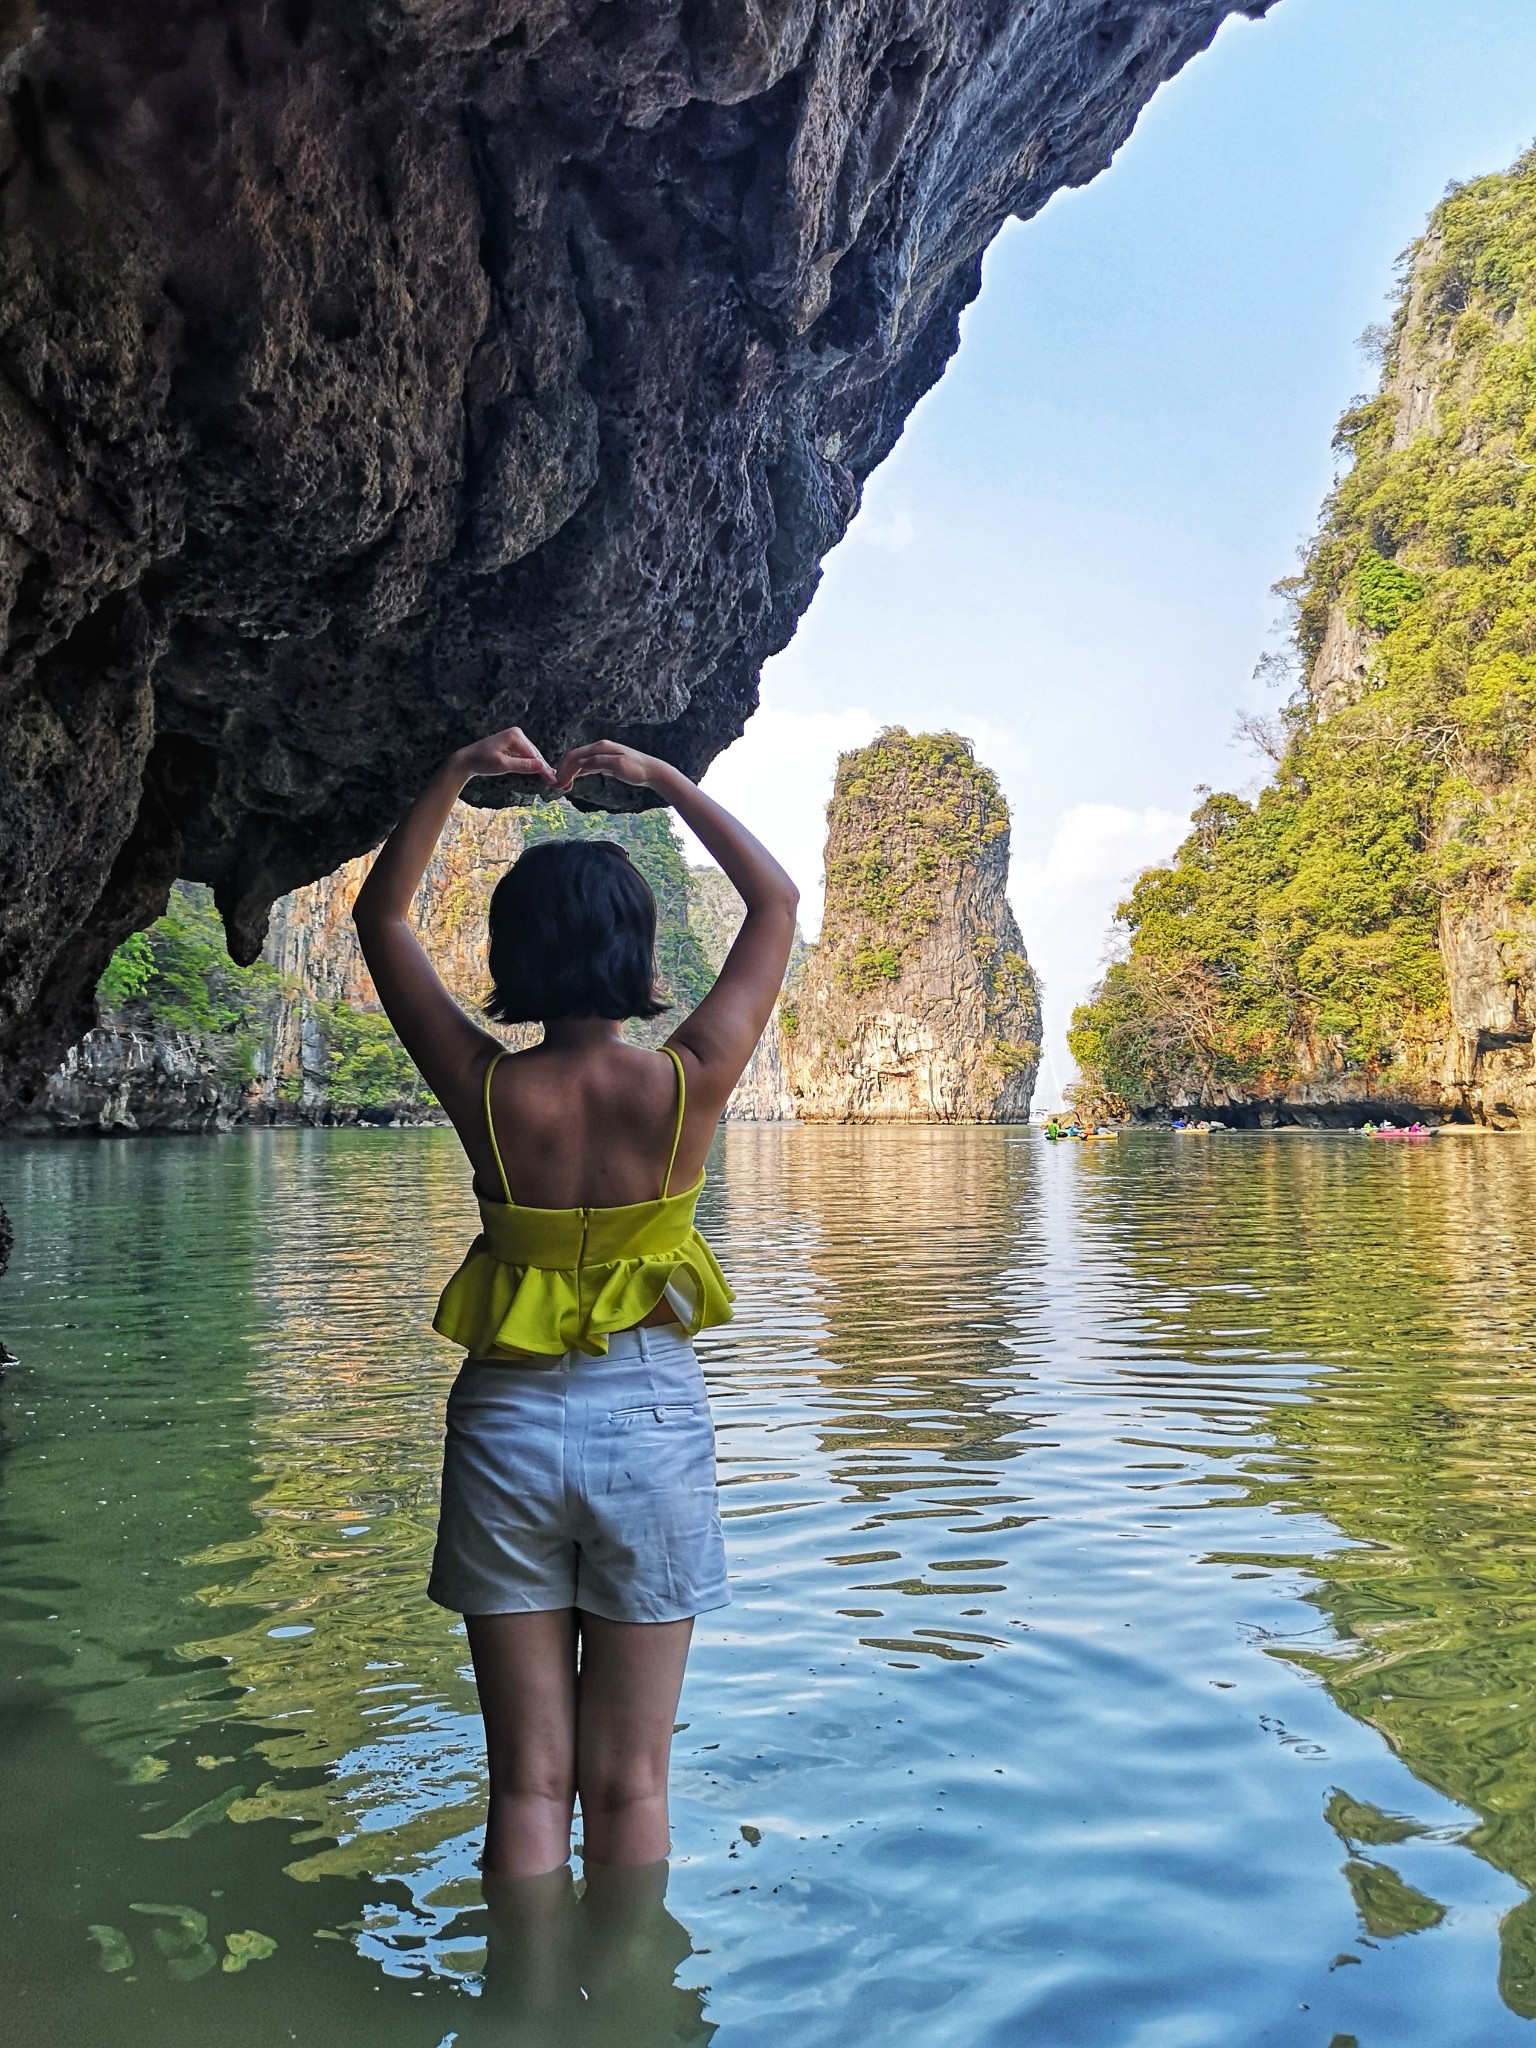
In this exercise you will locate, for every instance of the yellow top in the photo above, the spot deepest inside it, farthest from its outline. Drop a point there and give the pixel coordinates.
(541, 1282)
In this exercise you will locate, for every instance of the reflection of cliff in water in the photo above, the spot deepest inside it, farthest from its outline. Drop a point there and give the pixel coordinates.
(1411, 1280)
(359, 1680)
(917, 1295)
(901, 1264)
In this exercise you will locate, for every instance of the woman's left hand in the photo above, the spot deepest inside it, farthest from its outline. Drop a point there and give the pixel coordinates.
(504, 753)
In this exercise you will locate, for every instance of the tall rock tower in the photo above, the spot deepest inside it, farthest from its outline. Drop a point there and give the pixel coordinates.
(918, 1005)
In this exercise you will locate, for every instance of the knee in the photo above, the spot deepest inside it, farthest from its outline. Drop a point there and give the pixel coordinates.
(517, 1772)
(612, 1784)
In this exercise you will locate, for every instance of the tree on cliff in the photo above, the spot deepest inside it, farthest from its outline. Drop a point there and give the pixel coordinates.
(1365, 925)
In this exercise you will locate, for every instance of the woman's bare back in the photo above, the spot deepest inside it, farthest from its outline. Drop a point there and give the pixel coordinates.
(587, 1124)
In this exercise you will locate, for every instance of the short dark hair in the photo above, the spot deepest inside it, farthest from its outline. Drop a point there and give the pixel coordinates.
(573, 934)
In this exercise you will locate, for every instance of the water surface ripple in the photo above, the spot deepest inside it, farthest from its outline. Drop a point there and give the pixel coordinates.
(1134, 1617)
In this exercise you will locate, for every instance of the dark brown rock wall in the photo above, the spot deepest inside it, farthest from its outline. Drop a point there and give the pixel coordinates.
(374, 375)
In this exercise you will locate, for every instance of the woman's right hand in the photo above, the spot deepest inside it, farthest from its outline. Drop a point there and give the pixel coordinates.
(504, 753)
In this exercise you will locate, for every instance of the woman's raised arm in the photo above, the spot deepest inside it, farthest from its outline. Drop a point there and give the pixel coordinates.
(722, 1032)
(447, 1046)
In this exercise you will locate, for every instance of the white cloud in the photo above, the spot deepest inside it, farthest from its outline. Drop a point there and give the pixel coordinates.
(1066, 901)
(777, 779)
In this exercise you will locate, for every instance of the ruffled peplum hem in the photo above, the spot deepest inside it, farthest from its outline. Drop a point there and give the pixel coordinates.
(498, 1310)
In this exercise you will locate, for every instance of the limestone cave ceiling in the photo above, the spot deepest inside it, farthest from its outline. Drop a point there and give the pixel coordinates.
(375, 374)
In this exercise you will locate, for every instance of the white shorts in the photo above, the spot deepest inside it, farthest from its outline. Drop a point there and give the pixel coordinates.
(589, 1483)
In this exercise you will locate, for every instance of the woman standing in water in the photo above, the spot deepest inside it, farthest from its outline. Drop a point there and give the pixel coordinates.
(580, 1531)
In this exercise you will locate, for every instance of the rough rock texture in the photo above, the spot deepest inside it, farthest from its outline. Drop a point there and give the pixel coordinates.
(763, 1094)
(130, 1075)
(313, 945)
(1487, 1060)
(1340, 671)
(120, 1081)
(373, 375)
(917, 1005)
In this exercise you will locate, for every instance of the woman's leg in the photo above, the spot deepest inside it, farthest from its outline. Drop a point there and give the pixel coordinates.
(525, 1669)
(627, 1694)
(531, 1995)
(633, 1950)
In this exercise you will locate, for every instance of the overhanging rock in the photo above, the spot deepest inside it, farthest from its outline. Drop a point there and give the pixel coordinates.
(376, 374)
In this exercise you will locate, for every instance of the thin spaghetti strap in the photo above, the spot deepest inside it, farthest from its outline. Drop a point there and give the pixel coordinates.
(677, 1129)
(490, 1126)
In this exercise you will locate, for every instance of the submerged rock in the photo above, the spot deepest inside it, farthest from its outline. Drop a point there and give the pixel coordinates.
(918, 1004)
(377, 375)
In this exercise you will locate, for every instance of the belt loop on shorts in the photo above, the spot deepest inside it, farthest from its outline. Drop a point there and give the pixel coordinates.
(645, 1343)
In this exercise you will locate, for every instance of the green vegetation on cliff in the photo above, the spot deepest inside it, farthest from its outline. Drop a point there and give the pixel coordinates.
(1298, 935)
(178, 976)
(907, 811)
(366, 1066)
(917, 1004)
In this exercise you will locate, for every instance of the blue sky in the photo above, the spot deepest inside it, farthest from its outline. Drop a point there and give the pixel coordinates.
(1069, 554)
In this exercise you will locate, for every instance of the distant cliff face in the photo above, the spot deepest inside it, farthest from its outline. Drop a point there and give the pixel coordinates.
(715, 911)
(313, 946)
(1362, 938)
(918, 1004)
(123, 1080)
(299, 1037)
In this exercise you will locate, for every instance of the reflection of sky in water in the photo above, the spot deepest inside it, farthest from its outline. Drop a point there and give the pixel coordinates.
(1132, 1631)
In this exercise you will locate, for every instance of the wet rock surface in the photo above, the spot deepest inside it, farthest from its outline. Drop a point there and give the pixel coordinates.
(376, 375)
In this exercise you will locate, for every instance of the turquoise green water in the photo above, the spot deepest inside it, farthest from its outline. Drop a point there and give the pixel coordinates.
(1134, 1631)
